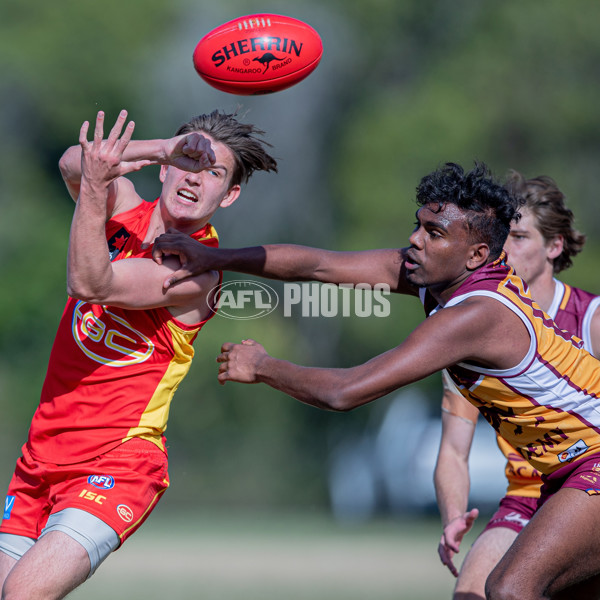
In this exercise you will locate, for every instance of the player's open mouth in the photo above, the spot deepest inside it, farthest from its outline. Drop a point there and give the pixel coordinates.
(410, 262)
(187, 196)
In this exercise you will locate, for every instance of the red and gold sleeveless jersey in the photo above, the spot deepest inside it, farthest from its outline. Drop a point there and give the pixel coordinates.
(572, 310)
(112, 371)
(546, 407)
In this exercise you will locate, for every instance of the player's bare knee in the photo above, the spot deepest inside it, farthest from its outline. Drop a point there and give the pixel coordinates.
(500, 587)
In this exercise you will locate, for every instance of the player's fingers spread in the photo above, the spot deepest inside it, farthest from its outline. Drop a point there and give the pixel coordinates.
(83, 132)
(99, 129)
(115, 132)
(124, 141)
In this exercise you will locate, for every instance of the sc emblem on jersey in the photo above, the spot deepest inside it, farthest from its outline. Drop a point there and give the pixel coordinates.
(107, 338)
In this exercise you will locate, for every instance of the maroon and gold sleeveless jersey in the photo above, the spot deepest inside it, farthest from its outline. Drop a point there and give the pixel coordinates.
(572, 310)
(112, 371)
(547, 407)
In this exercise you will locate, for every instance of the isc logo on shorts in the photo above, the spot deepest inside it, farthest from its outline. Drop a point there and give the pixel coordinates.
(103, 482)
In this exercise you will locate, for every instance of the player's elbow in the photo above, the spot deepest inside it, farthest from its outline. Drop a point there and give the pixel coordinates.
(69, 163)
(79, 289)
(80, 293)
(342, 398)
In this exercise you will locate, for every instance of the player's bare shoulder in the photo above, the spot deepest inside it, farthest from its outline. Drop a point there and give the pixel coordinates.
(123, 196)
(595, 332)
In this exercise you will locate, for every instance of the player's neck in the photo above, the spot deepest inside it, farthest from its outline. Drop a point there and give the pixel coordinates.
(542, 290)
(159, 225)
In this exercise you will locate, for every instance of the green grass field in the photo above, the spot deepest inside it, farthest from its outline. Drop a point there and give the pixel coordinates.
(288, 557)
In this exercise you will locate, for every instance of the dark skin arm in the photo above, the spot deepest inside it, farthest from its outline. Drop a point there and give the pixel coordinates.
(447, 337)
(286, 262)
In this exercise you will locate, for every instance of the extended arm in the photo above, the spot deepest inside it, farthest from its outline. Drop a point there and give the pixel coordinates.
(451, 476)
(445, 338)
(287, 262)
(190, 152)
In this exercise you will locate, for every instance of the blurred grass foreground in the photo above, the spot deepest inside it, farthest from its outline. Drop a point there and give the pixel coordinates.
(291, 557)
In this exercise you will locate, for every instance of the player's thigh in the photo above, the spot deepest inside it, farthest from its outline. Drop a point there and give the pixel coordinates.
(559, 546)
(54, 566)
(483, 556)
(6, 564)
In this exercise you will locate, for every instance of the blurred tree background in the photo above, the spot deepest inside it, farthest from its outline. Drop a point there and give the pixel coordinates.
(403, 86)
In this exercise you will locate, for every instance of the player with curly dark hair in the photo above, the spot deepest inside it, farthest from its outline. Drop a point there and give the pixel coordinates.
(537, 386)
(539, 246)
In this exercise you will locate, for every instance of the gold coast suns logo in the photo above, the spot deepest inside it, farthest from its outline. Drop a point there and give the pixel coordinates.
(108, 338)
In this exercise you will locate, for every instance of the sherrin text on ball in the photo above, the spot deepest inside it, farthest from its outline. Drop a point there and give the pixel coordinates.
(258, 54)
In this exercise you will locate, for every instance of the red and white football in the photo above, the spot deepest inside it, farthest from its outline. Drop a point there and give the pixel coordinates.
(258, 54)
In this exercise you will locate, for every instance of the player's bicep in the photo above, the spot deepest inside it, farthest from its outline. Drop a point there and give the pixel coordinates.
(594, 333)
(137, 284)
(454, 403)
(434, 345)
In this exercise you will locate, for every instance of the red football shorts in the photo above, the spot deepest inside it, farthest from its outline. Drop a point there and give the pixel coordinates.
(121, 488)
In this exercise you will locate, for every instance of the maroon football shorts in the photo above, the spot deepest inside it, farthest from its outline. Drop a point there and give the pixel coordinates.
(513, 513)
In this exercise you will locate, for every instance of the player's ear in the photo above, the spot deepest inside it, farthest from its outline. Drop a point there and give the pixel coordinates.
(163, 173)
(478, 256)
(555, 247)
(231, 196)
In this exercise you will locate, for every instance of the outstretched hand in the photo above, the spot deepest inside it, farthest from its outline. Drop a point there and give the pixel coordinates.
(193, 256)
(240, 362)
(102, 160)
(452, 537)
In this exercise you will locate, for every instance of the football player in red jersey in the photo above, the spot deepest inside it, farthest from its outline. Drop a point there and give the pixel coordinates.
(539, 246)
(95, 464)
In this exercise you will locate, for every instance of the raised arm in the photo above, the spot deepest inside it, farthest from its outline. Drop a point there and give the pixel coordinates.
(451, 476)
(287, 262)
(189, 152)
(133, 282)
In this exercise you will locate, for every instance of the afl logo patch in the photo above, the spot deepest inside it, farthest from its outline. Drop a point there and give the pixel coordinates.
(103, 482)
(125, 513)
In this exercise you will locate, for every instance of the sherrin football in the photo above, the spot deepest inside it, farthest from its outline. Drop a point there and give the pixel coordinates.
(258, 54)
